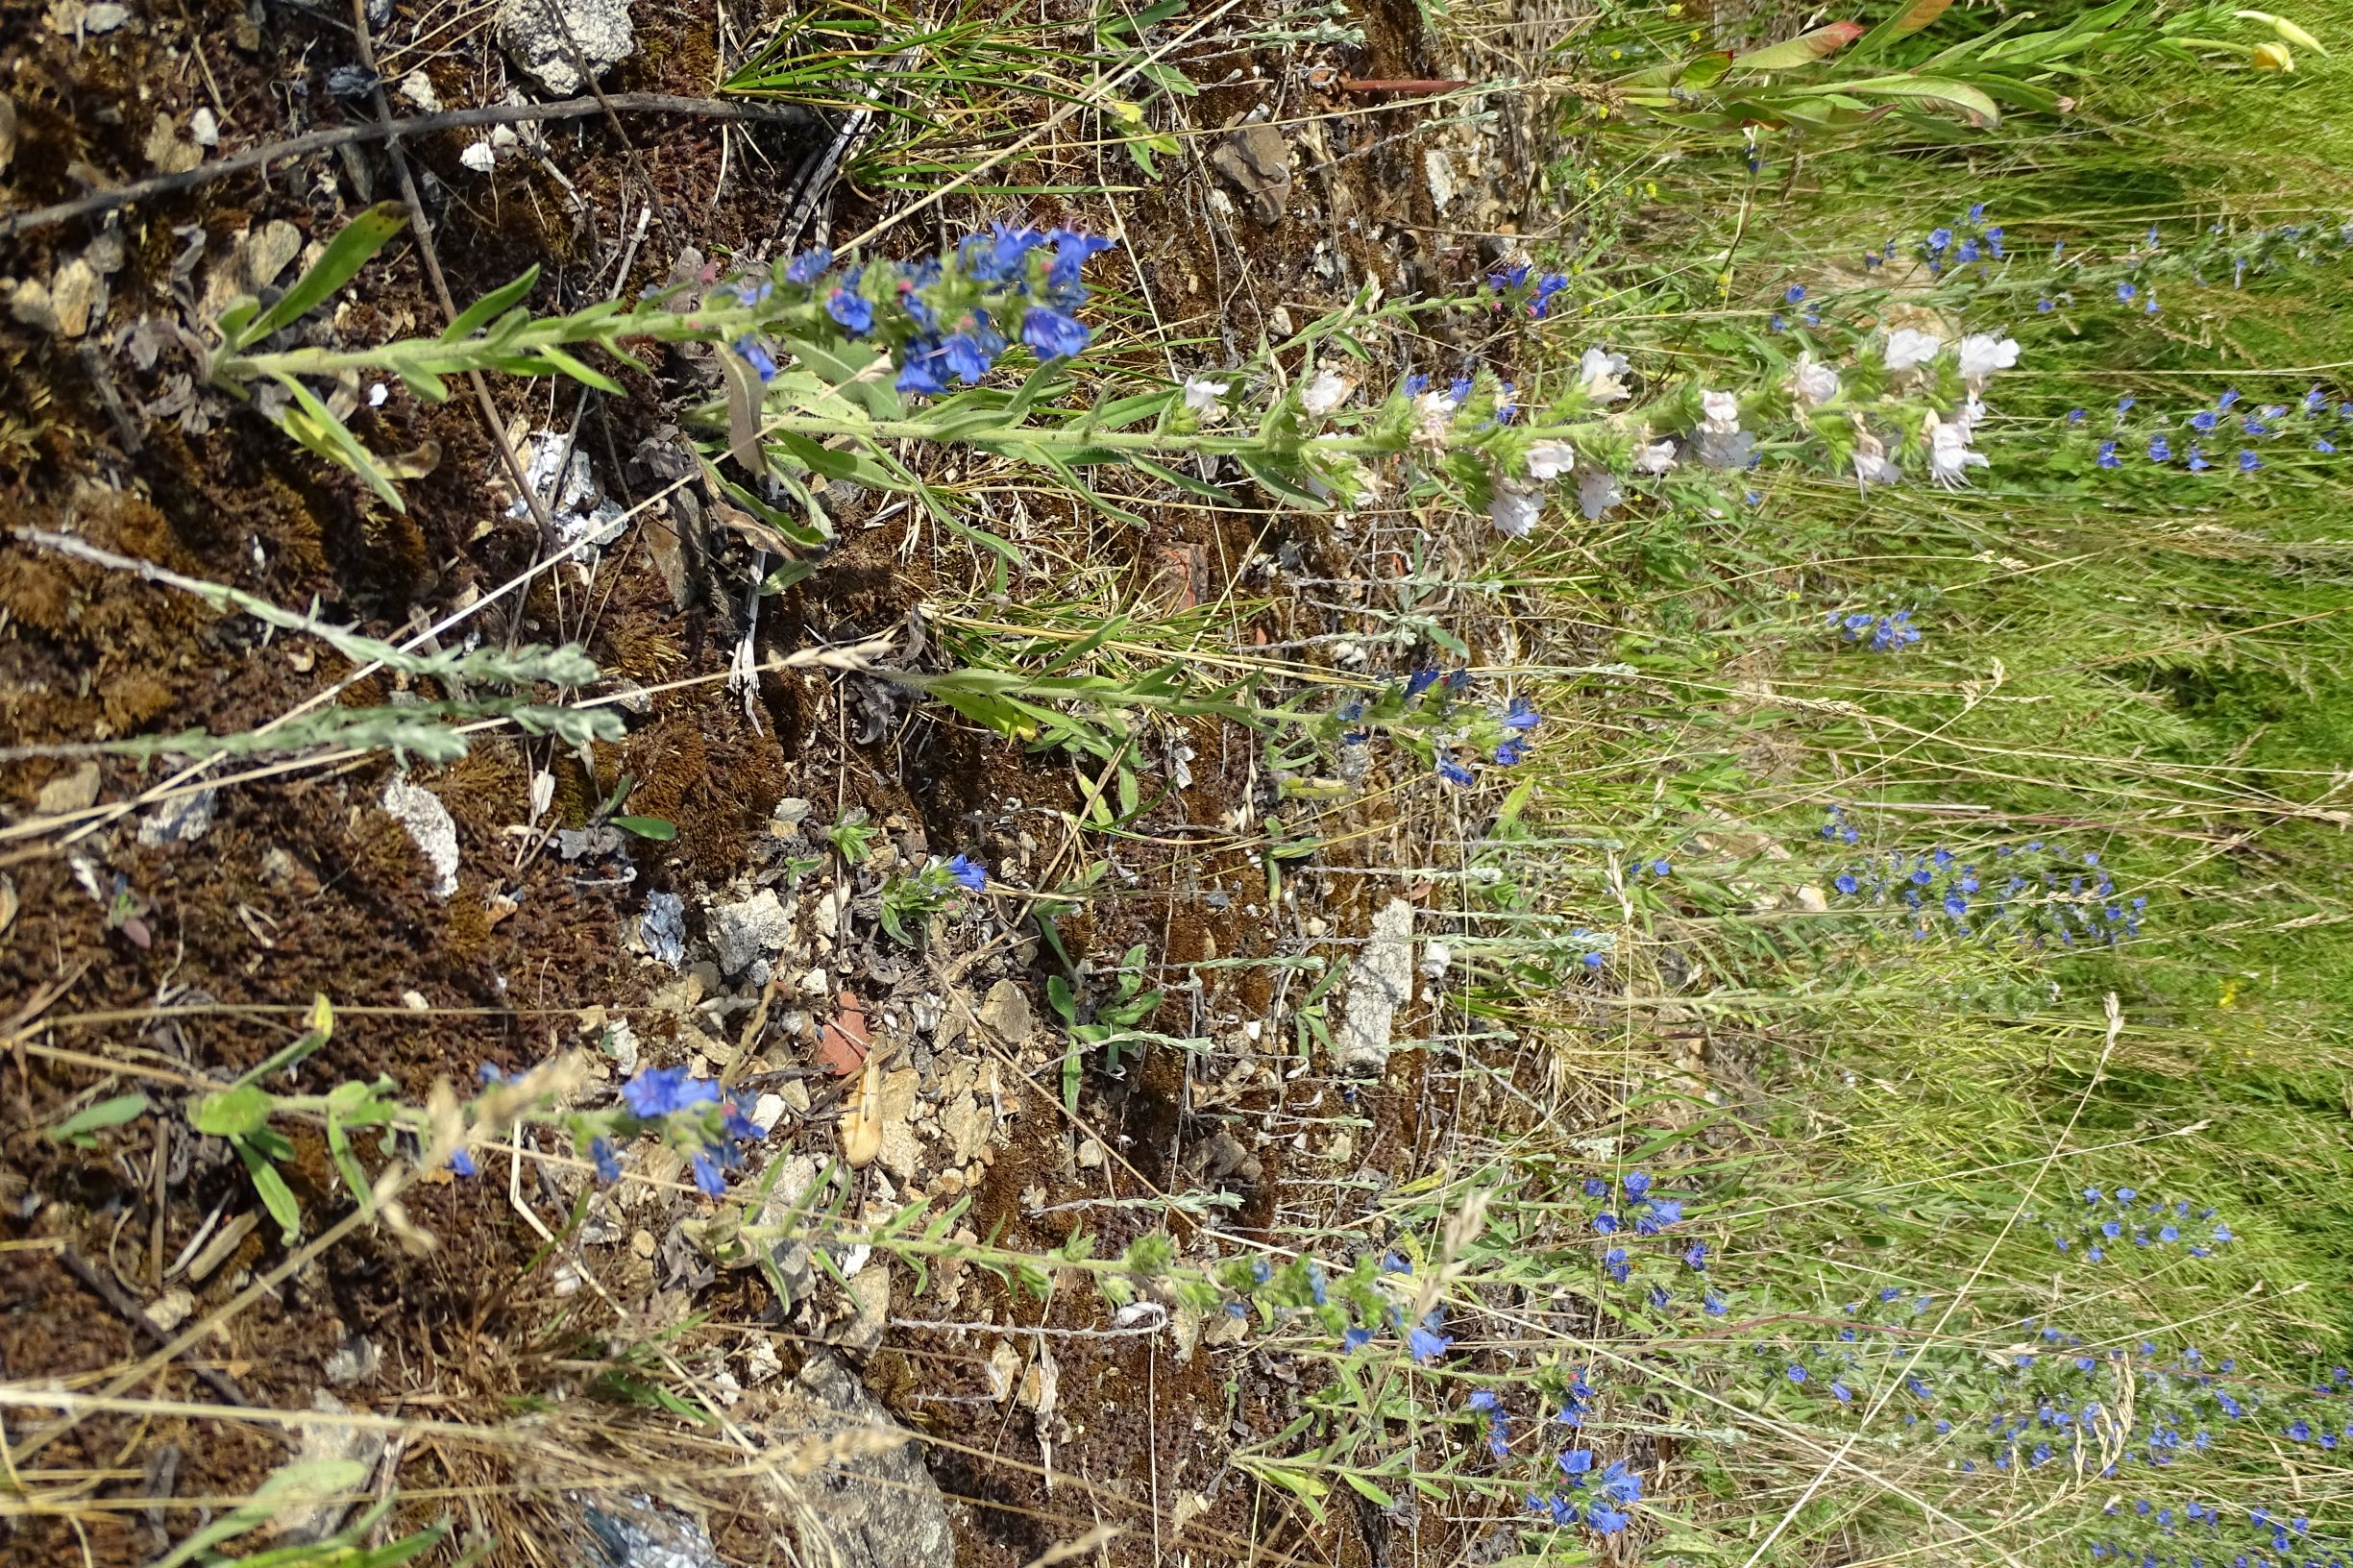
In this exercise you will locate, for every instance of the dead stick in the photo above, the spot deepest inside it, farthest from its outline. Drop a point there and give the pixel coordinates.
(568, 109)
(114, 1296)
(1420, 86)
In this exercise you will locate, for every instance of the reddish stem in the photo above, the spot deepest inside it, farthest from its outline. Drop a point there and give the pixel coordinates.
(1419, 87)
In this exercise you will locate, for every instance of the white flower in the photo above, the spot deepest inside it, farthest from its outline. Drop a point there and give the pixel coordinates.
(1722, 410)
(1597, 491)
(1810, 383)
(1982, 354)
(1325, 393)
(1434, 418)
(1949, 459)
(1870, 464)
(1515, 510)
(1971, 416)
(1203, 397)
(1656, 458)
(1550, 459)
(1907, 347)
(1602, 376)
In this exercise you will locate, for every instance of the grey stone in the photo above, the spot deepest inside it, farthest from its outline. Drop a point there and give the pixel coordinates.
(1379, 982)
(879, 1507)
(662, 927)
(539, 35)
(1005, 1012)
(745, 932)
(639, 1532)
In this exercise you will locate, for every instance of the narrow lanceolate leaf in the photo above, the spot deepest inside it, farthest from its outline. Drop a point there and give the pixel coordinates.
(345, 255)
(1908, 20)
(1802, 50)
(1935, 92)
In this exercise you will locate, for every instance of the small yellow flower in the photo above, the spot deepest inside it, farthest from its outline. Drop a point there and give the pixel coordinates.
(2273, 57)
(1649, 187)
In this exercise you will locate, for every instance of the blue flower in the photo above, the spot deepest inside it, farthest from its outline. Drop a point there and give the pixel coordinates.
(2107, 456)
(806, 267)
(1976, 211)
(1509, 754)
(1715, 1304)
(1939, 238)
(1795, 1373)
(1420, 681)
(1841, 1392)
(2125, 293)
(1352, 1340)
(1395, 1262)
(969, 873)
(658, 1091)
(1052, 334)
(1694, 1256)
(2044, 307)
(1454, 773)
(2160, 450)
(1071, 249)
(1425, 1342)
(1606, 1223)
(707, 1176)
(2205, 419)
(853, 312)
(2248, 462)
(1577, 1461)
(2074, 416)
(762, 362)
(1614, 1262)
(1793, 293)
(1548, 285)
(2230, 395)
(1621, 1486)
(964, 359)
(1522, 715)
(1606, 1520)
(1637, 1184)
(461, 1163)
(1662, 868)
(920, 373)
(609, 1162)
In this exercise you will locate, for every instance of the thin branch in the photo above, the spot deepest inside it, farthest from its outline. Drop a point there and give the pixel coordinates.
(568, 109)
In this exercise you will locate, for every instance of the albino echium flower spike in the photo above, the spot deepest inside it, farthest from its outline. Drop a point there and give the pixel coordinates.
(1907, 347)
(1325, 393)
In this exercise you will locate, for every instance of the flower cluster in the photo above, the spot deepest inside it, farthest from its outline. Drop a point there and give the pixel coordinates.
(907, 899)
(2037, 893)
(945, 318)
(2235, 431)
(1426, 714)
(1880, 633)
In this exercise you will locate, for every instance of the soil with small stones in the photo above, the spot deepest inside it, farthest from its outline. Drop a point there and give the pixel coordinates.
(304, 885)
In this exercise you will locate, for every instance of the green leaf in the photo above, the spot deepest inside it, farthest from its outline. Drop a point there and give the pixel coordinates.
(276, 1195)
(491, 305)
(1934, 92)
(345, 255)
(1802, 50)
(843, 368)
(354, 1175)
(582, 373)
(658, 828)
(77, 1128)
(315, 424)
(1705, 72)
(1365, 1488)
(287, 1490)
(232, 1113)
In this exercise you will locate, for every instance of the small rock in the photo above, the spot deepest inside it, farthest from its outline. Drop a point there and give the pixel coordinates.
(662, 927)
(768, 1110)
(68, 792)
(330, 1446)
(76, 296)
(539, 35)
(168, 1310)
(429, 828)
(166, 151)
(638, 1532)
(1089, 1154)
(417, 88)
(750, 930)
(203, 129)
(879, 1507)
(356, 1361)
(267, 251)
(1379, 980)
(870, 1301)
(181, 821)
(1256, 159)
(1005, 1012)
(900, 1151)
(480, 156)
